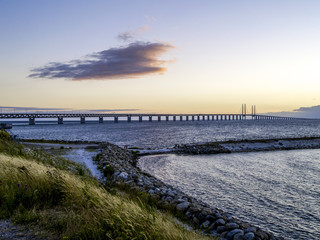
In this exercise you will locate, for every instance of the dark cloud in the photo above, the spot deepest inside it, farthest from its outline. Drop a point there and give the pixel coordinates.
(32, 109)
(134, 60)
(313, 109)
(130, 35)
(125, 36)
(302, 112)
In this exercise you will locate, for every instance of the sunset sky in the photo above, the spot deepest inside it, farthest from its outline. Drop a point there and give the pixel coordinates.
(161, 56)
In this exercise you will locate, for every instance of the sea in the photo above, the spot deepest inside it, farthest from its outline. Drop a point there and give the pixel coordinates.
(278, 191)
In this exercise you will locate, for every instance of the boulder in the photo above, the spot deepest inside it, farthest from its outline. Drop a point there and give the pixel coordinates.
(234, 232)
(183, 206)
(249, 236)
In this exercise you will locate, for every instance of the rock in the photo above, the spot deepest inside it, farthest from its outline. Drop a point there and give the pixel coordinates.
(249, 236)
(183, 206)
(210, 218)
(231, 226)
(238, 236)
(219, 222)
(224, 234)
(171, 193)
(123, 176)
(262, 235)
(232, 233)
(221, 229)
(195, 220)
(205, 224)
(151, 191)
(169, 199)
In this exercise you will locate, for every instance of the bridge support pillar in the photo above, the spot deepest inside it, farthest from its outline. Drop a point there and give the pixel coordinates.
(60, 120)
(167, 118)
(32, 121)
(192, 118)
(116, 119)
(159, 118)
(140, 118)
(174, 118)
(129, 118)
(100, 119)
(187, 118)
(181, 118)
(150, 118)
(82, 120)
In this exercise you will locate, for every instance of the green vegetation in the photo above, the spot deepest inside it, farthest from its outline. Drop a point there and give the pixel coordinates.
(55, 194)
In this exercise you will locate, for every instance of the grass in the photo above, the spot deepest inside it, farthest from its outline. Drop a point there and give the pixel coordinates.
(72, 204)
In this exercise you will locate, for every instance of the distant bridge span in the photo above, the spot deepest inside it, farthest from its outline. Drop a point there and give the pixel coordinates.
(139, 117)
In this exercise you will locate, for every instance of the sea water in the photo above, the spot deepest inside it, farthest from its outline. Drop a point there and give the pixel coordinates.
(278, 191)
(166, 134)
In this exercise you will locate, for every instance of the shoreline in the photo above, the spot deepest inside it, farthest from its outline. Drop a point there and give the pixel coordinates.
(119, 168)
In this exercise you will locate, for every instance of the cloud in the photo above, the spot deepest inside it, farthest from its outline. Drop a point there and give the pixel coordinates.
(313, 109)
(7, 109)
(130, 35)
(134, 60)
(302, 112)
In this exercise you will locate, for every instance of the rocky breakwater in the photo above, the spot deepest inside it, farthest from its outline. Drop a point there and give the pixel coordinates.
(119, 167)
(249, 146)
(204, 148)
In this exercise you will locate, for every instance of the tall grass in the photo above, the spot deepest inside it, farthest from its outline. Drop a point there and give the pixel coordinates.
(9, 147)
(75, 206)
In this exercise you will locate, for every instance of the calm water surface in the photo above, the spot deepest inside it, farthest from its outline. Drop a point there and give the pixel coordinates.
(278, 191)
(167, 134)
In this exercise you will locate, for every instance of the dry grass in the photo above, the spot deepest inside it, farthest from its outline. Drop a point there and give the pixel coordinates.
(77, 207)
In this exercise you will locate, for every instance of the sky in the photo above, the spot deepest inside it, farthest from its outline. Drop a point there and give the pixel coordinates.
(205, 56)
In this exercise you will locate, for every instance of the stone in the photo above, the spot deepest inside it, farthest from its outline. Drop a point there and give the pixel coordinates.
(171, 193)
(249, 236)
(195, 220)
(183, 206)
(224, 234)
(210, 218)
(168, 199)
(238, 236)
(232, 233)
(250, 229)
(221, 229)
(205, 224)
(217, 223)
(231, 226)
(123, 176)
(262, 235)
(151, 191)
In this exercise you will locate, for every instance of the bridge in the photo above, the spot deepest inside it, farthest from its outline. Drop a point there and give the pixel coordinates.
(139, 117)
(150, 117)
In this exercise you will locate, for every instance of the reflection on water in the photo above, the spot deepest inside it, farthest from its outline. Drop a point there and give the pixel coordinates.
(278, 191)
